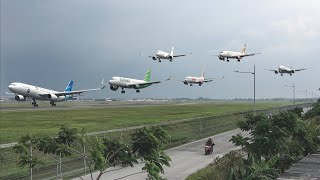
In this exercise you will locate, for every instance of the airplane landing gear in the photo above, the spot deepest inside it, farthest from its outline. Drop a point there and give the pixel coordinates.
(123, 92)
(52, 103)
(238, 60)
(199, 84)
(190, 84)
(159, 60)
(227, 60)
(281, 74)
(290, 74)
(34, 103)
(170, 60)
(137, 91)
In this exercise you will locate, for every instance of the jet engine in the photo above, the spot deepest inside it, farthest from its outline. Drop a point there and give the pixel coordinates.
(53, 97)
(154, 58)
(170, 57)
(20, 98)
(114, 88)
(276, 72)
(221, 58)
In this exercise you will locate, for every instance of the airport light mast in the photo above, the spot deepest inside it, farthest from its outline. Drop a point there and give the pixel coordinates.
(294, 92)
(254, 86)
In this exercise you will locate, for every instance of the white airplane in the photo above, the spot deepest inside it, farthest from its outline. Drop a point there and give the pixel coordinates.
(190, 80)
(164, 55)
(282, 70)
(23, 91)
(235, 55)
(137, 84)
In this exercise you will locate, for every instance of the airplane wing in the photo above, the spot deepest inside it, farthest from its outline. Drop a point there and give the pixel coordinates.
(71, 92)
(271, 70)
(142, 84)
(181, 55)
(299, 69)
(252, 54)
(211, 79)
(10, 93)
(207, 80)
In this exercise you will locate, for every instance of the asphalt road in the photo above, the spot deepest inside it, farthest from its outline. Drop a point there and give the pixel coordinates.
(186, 159)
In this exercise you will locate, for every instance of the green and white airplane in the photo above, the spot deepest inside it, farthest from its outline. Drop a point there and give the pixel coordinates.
(137, 84)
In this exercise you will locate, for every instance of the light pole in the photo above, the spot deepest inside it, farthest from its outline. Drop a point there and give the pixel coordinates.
(254, 87)
(294, 92)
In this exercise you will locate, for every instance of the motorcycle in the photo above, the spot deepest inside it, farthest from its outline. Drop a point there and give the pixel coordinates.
(208, 149)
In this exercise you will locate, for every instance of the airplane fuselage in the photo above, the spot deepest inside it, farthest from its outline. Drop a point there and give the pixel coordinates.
(230, 54)
(283, 69)
(163, 55)
(193, 80)
(22, 91)
(123, 82)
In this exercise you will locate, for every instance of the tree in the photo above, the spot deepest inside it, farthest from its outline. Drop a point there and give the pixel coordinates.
(256, 169)
(60, 145)
(148, 144)
(25, 148)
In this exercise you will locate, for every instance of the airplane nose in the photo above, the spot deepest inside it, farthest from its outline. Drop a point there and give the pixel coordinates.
(10, 87)
(111, 81)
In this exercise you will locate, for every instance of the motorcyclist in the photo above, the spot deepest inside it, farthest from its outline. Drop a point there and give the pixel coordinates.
(210, 143)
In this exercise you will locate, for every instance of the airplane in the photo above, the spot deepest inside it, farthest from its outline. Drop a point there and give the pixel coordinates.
(23, 91)
(190, 80)
(282, 70)
(235, 55)
(164, 55)
(136, 84)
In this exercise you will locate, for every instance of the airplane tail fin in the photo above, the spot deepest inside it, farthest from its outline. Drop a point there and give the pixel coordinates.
(147, 77)
(244, 49)
(202, 75)
(172, 49)
(69, 87)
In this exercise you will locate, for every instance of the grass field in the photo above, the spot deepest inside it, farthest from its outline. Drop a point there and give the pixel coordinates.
(38, 123)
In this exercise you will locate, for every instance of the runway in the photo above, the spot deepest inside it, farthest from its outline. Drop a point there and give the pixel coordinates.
(78, 105)
(186, 159)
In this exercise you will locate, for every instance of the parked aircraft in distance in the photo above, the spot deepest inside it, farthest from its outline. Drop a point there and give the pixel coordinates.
(282, 70)
(164, 55)
(23, 91)
(190, 80)
(235, 55)
(137, 84)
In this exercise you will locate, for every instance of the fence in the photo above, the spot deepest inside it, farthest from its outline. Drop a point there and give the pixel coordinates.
(180, 132)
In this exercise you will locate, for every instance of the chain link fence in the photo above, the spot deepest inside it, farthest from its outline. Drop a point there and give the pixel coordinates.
(180, 132)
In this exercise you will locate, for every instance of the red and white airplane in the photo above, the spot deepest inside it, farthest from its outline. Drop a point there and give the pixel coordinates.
(235, 55)
(190, 80)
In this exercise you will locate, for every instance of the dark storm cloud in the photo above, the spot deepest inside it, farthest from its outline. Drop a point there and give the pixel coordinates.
(50, 42)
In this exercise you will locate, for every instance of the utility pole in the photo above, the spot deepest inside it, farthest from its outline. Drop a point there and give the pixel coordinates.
(294, 92)
(254, 87)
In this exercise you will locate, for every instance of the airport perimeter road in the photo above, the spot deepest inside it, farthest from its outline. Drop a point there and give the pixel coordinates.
(186, 159)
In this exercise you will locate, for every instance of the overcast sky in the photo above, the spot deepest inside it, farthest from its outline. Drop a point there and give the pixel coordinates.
(47, 43)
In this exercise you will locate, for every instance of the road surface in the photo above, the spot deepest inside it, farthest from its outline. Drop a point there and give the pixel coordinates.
(186, 159)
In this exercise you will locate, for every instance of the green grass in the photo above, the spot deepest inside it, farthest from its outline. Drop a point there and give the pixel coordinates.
(13, 125)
